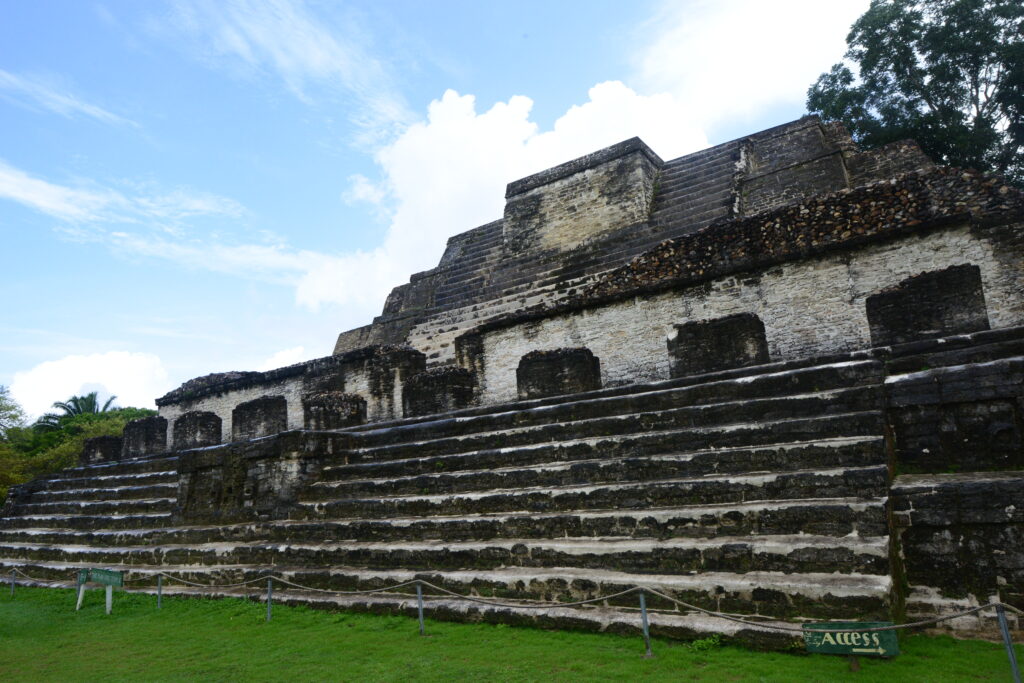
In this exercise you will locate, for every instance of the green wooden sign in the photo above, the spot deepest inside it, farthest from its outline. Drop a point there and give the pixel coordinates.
(848, 638)
(107, 577)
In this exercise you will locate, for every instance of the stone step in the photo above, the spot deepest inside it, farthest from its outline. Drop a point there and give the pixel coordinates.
(733, 443)
(113, 480)
(145, 491)
(381, 446)
(820, 517)
(712, 191)
(96, 507)
(794, 554)
(963, 349)
(420, 475)
(771, 594)
(148, 464)
(865, 482)
(86, 521)
(852, 365)
(642, 399)
(658, 433)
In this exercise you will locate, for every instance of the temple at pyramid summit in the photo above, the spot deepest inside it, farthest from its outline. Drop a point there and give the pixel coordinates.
(782, 377)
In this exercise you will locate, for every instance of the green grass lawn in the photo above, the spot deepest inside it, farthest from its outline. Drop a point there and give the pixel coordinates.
(42, 638)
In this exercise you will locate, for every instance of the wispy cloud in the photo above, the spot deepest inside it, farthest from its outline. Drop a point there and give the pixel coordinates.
(33, 92)
(96, 204)
(307, 52)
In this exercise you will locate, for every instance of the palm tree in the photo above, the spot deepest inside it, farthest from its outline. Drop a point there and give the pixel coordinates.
(76, 405)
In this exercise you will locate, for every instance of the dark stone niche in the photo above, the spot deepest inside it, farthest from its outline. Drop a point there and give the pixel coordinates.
(735, 341)
(196, 429)
(439, 390)
(333, 410)
(929, 305)
(260, 417)
(145, 436)
(100, 449)
(558, 372)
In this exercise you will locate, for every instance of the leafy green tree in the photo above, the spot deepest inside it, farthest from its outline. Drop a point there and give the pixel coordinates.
(948, 73)
(76, 405)
(28, 452)
(11, 414)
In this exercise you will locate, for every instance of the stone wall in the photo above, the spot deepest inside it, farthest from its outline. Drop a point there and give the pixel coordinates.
(961, 538)
(810, 307)
(582, 199)
(376, 374)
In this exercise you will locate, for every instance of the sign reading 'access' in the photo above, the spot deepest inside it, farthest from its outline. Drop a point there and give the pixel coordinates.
(851, 638)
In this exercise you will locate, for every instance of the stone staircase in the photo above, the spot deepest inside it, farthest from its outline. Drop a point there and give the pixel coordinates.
(761, 491)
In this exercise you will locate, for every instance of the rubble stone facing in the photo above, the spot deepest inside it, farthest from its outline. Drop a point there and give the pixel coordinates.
(933, 304)
(260, 417)
(333, 410)
(145, 436)
(557, 372)
(438, 390)
(196, 429)
(734, 341)
(846, 218)
(100, 449)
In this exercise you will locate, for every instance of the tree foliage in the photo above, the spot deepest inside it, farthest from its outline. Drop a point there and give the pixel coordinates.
(76, 405)
(11, 414)
(948, 73)
(28, 452)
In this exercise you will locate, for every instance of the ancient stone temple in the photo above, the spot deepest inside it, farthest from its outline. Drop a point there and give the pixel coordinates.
(780, 377)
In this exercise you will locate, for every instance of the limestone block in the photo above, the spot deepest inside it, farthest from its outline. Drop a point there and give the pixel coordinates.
(196, 429)
(439, 390)
(100, 449)
(557, 372)
(579, 200)
(260, 417)
(928, 305)
(145, 436)
(734, 341)
(333, 410)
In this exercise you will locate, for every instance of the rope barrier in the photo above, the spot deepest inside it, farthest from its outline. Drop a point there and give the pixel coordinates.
(527, 605)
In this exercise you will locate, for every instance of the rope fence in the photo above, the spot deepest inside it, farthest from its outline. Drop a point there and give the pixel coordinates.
(420, 584)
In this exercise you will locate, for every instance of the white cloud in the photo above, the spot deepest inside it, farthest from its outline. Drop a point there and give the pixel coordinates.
(135, 378)
(97, 204)
(284, 358)
(440, 177)
(732, 59)
(286, 38)
(362, 189)
(33, 92)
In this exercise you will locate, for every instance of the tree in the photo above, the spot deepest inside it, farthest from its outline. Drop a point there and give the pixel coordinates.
(76, 405)
(948, 73)
(11, 414)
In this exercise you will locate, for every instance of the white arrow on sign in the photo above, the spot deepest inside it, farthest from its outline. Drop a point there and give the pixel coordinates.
(869, 650)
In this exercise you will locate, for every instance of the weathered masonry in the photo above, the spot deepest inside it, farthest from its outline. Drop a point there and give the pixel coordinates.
(781, 376)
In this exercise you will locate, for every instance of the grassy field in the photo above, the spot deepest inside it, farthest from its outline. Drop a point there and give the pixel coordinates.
(42, 638)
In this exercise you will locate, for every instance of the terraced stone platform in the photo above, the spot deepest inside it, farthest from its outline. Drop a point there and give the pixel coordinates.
(761, 494)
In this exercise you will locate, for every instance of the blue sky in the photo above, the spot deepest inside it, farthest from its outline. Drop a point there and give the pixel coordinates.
(190, 187)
